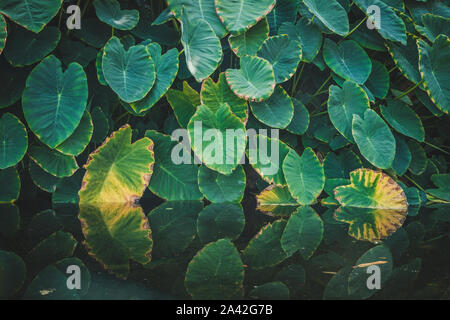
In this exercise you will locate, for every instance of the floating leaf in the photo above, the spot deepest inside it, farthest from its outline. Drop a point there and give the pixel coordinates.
(53, 162)
(78, 141)
(304, 175)
(219, 188)
(130, 73)
(118, 171)
(371, 189)
(110, 13)
(330, 13)
(277, 201)
(419, 159)
(184, 103)
(54, 102)
(12, 274)
(255, 80)
(403, 156)
(249, 42)
(101, 125)
(216, 272)
(13, 139)
(10, 180)
(403, 119)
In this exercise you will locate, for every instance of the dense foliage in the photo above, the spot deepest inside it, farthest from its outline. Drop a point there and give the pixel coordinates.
(87, 115)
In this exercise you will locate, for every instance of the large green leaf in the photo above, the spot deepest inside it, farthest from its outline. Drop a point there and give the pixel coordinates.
(212, 141)
(54, 102)
(434, 62)
(339, 165)
(78, 141)
(433, 26)
(3, 33)
(303, 233)
(442, 182)
(284, 54)
(249, 42)
(277, 111)
(307, 34)
(30, 14)
(41, 178)
(330, 13)
(110, 13)
(270, 291)
(130, 73)
(25, 47)
(284, 11)
(406, 58)
(166, 71)
(378, 82)
(403, 119)
(52, 161)
(304, 175)
(118, 171)
(419, 159)
(300, 120)
(276, 200)
(12, 274)
(173, 181)
(216, 272)
(374, 139)
(240, 15)
(219, 188)
(344, 103)
(403, 156)
(202, 47)
(13, 140)
(10, 180)
(348, 60)
(115, 234)
(184, 103)
(214, 94)
(371, 189)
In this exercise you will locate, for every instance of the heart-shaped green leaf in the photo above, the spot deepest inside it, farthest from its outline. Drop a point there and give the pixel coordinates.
(110, 13)
(219, 188)
(249, 42)
(13, 140)
(330, 13)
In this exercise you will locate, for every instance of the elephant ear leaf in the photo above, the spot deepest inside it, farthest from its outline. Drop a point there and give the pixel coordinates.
(118, 171)
(13, 139)
(110, 13)
(3, 33)
(31, 14)
(130, 73)
(202, 47)
(442, 181)
(54, 101)
(331, 14)
(239, 16)
(249, 42)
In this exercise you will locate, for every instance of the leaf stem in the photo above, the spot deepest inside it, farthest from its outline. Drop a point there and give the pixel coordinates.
(354, 29)
(297, 79)
(436, 147)
(409, 90)
(321, 87)
(415, 183)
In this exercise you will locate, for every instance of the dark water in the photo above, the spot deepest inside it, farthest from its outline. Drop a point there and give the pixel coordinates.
(420, 254)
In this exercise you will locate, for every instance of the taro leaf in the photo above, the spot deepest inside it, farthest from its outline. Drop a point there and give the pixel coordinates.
(174, 226)
(391, 26)
(348, 60)
(94, 32)
(118, 171)
(344, 103)
(184, 103)
(403, 119)
(13, 82)
(166, 71)
(442, 181)
(406, 58)
(54, 102)
(13, 140)
(277, 111)
(212, 141)
(403, 156)
(284, 11)
(9, 221)
(115, 234)
(304, 175)
(276, 201)
(57, 246)
(202, 47)
(240, 15)
(219, 188)
(255, 80)
(80, 138)
(99, 69)
(266, 155)
(374, 139)
(434, 63)
(214, 94)
(25, 47)
(43, 180)
(66, 191)
(330, 13)
(249, 42)
(173, 181)
(10, 181)
(371, 224)
(31, 14)
(75, 51)
(433, 26)
(378, 82)
(130, 73)
(12, 274)
(3, 33)
(196, 10)
(110, 13)
(339, 165)
(426, 101)
(43, 224)
(270, 291)
(101, 125)
(216, 272)
(419, 159)
(220, 220)
(265, 249)
(165, 16)
(53, 162)
(307, 34)
(371, 189)
(369, 39)
(300, 120)
(284, 54)
(357, 280)
(293, 275)
(303, 233)
(337, 287)
(51, 283)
